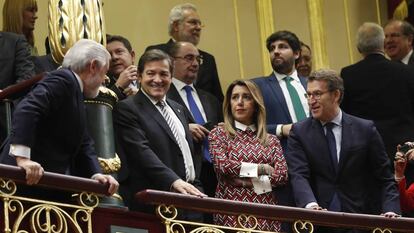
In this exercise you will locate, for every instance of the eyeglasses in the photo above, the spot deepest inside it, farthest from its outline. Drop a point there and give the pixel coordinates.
(190, 58)
(316, 95)
(195, 22)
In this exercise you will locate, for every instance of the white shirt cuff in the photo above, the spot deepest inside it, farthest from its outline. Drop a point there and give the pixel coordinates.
(248, 170)
(279, 131)
(311, 205)
(19, 150)
(261, 185)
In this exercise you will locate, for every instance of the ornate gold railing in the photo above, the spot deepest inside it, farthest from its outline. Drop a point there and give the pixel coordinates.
(22, 214)
(303, 220)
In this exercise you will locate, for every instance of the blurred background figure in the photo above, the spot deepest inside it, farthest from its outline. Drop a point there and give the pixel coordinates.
(19, 16)
(304, 62)
(406, 194)
(248, 161)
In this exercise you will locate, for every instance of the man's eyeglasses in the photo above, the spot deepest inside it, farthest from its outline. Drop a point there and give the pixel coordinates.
(195, 23)
(190, 58)
(315, 95)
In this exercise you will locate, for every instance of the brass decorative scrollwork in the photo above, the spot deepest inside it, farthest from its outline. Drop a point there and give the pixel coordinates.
(111, 165)
(7, 187)
(303, 225)
(167, 212)
(247, 221)
(379, 230)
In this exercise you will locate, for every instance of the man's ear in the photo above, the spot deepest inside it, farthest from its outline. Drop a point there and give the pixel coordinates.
(296, 54)
(133, 56)
(94, 66)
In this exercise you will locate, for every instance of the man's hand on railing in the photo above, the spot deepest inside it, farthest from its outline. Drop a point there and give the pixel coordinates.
(180, 186)
(107, 179)
(34, 171)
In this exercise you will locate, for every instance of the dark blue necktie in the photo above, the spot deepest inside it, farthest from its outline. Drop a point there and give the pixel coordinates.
(335, 204)
(198, 117)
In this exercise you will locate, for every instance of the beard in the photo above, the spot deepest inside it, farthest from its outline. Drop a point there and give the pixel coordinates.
(285, 67)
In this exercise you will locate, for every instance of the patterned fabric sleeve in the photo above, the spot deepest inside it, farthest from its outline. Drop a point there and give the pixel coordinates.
(280, 175)
(220, 146)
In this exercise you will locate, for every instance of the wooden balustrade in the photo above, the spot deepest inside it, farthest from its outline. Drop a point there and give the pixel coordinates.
(283, 213)
(55, 181)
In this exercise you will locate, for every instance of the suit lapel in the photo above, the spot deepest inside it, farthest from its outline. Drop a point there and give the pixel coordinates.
(277, 91)
(205, 103)
(322, 148)
(347, 132)
(146, 107)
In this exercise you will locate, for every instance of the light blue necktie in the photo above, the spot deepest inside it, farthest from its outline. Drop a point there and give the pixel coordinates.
(198, 117)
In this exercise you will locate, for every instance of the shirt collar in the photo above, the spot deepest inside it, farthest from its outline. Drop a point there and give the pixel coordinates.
(79, 81)
(407, 57)
(180, 84)
(244, 127)
(337, 119)
(153, 101)
(280, 76)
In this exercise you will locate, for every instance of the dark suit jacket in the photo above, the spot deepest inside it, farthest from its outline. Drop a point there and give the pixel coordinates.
(51, 121)
(411, 60)
(364, 172)
(277, 111)
(148, 148)
(15, 62)
(208, 79)
(212, 107)
(44, 63)
(382, 91)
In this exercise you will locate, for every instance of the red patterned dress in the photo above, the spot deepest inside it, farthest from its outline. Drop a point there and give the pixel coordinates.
(228, 154)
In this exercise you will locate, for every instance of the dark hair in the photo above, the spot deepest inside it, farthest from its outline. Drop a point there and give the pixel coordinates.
(288, 36)
(123, 40)
(406, 28)
(331, 78)
(154, 55)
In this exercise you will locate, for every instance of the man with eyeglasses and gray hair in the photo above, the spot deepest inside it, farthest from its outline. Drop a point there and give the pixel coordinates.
(185, 25)
(204, 109)
(380, 90)
(336, 160)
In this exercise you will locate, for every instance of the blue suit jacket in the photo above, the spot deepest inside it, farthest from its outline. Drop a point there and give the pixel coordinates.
(277, 111)
(51, 121)
(364, 181)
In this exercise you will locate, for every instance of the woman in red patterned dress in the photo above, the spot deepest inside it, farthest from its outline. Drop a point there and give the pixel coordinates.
(248, 161)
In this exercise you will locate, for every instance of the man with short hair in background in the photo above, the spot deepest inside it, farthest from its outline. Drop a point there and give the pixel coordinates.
(122, 72)
(398, 42)
(185, 25)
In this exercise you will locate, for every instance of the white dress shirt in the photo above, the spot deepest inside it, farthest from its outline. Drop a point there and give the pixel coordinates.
(261, 184)
(301, 92)
(180, 88)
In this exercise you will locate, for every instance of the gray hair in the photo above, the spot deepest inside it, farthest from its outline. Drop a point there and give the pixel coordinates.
(370, 38)
(176, 14)
(83, 52)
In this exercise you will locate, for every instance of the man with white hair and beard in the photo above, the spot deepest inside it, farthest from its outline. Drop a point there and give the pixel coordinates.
(49, 126)
(185, 25)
